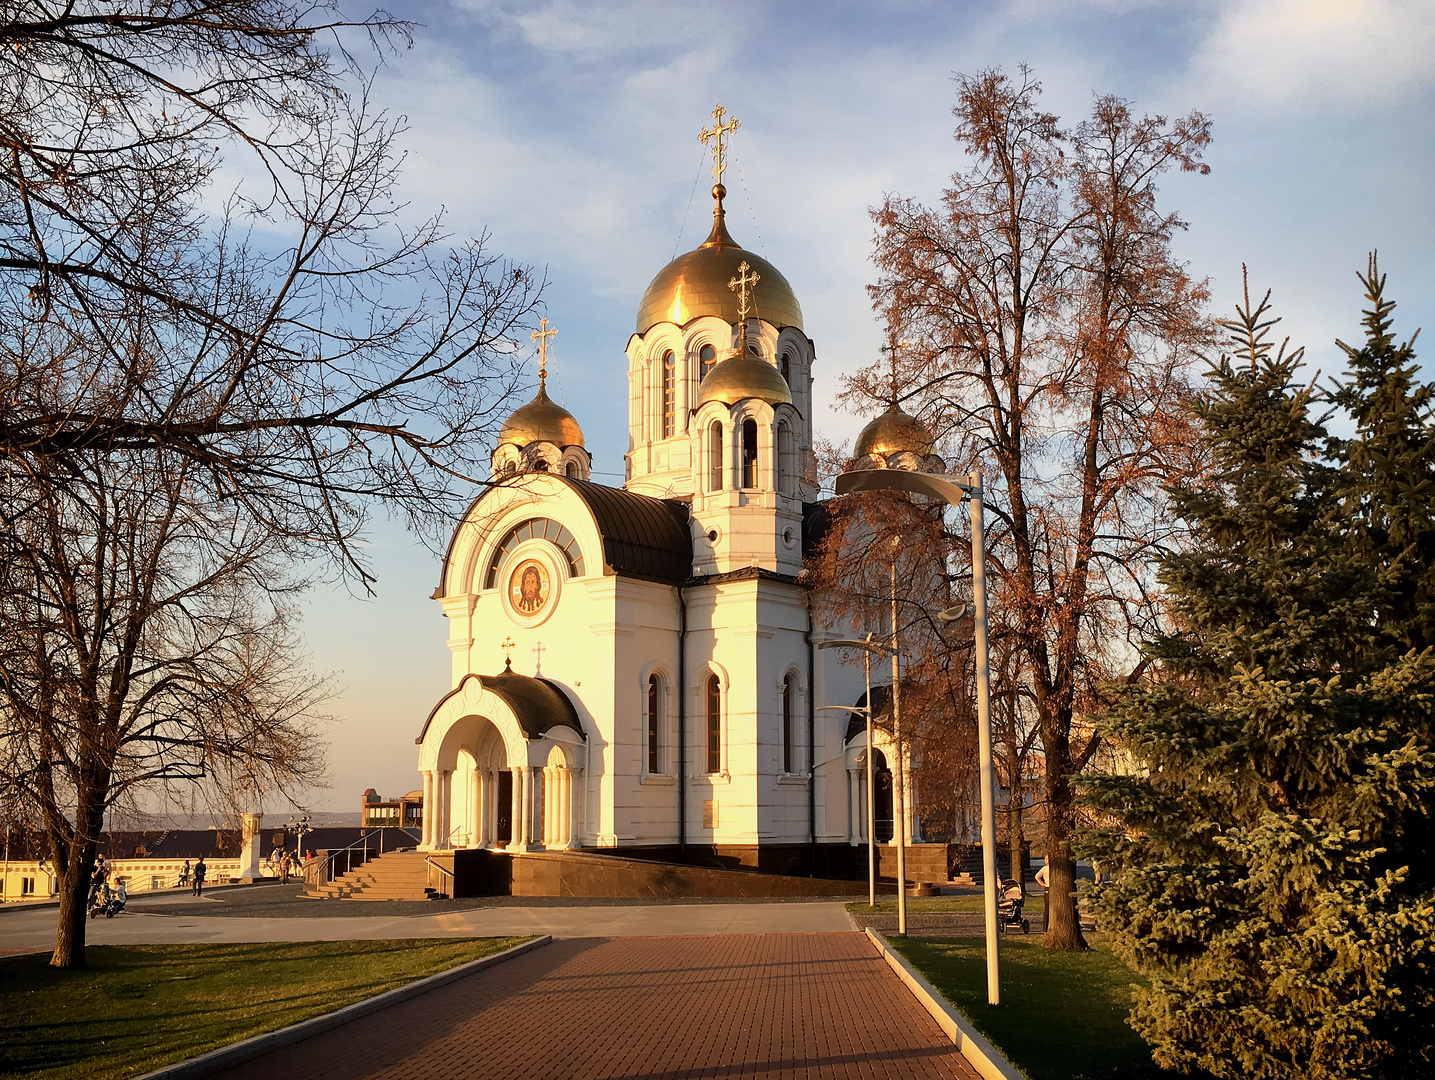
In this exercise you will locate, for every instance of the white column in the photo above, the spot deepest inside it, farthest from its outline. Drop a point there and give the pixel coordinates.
(535, 804)
(444, 824)
(480, 781)
(428, 811)
(475, 816)
(567, 813)
(854, 809)
(520, 808)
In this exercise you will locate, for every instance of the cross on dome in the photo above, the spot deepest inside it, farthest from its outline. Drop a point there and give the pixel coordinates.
(744, 284)
(714, 135)
(508, 645)
(892, 348)
(542, 335)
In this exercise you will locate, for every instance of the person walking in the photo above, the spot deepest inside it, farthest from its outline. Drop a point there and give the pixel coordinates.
(200, 870)
(184, 875)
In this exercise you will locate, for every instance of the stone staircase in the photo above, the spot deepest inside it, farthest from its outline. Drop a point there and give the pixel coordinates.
(394, 875)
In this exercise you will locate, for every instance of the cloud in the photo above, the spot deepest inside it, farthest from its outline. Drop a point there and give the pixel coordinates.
(1317, 55)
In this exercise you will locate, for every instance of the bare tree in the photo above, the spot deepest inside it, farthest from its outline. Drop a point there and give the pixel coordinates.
(303, 343)
(1051, 327)
(147, 644)
(222, 345)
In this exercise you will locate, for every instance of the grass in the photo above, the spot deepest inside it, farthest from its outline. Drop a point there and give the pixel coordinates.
(1063, 1014)
(138, 1007)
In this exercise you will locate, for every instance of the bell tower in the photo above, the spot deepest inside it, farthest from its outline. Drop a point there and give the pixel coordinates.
(720, 395)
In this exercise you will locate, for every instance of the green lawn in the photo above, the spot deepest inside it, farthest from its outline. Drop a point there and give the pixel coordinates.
(1063, 1014)
(138, 1007)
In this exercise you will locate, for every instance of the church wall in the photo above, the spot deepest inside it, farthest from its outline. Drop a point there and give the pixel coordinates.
(643, 805)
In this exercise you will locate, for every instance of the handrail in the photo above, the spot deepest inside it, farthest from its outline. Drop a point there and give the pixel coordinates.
(429, 862)
(323, 871)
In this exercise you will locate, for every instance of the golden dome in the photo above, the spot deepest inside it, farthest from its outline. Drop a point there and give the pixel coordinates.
(697, 284)
(894, 432)
(541, 421)
(740, 377)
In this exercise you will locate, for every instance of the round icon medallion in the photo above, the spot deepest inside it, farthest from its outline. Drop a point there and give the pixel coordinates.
(529, 586)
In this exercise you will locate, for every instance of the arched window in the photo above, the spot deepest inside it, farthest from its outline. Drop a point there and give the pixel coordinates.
(714, 702)
(571, 470)
(784, 459)
(669, 391)
(510, 467)
(707, 357)
(785, 366)
(715, 457)
(789, 721)
(536, 529)
(540, 465)
(655, 725)
(749, 453)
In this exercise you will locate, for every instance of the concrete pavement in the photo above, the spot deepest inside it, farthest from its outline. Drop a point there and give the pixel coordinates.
(35, 929)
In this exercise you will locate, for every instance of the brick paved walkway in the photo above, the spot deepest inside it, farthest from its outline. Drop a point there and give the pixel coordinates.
(771, 1005)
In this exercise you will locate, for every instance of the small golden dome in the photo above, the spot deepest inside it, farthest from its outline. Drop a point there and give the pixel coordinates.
(696, 284)
(740, 377)
(541, 421)
(894, 432)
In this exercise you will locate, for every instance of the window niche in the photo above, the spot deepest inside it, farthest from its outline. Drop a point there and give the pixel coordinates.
(714, 724)
(749, 453)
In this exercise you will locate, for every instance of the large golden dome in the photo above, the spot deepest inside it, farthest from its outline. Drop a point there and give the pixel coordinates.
(894, 432)
(696, 284)
(740, 377)
(541, 420)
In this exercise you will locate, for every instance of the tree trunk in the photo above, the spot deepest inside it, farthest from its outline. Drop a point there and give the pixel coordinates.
(70, 933)
(1016, 837)
(1063, 927)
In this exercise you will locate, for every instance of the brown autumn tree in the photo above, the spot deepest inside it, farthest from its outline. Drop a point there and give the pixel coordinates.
(1050, 329)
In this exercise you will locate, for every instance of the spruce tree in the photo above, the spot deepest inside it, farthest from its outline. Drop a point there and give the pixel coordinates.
(1256, 865)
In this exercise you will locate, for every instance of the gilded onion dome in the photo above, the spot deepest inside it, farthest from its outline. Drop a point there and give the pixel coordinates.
(541, 420)
(696, 284)
(744, 376)
(894, 432)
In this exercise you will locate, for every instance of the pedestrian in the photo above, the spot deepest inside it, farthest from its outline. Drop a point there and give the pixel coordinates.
(200, 870)
(1043, 876)
(285, 867)
(184, 875)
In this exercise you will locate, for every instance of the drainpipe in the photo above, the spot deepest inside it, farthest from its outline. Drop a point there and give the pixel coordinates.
(811, 741)
(682, 726)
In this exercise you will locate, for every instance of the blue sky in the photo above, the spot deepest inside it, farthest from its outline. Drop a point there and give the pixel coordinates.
(568, 131)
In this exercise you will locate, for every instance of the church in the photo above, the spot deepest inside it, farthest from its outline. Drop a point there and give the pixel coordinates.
(636, 669)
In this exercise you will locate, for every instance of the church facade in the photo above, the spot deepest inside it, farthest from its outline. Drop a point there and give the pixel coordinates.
(636, 669)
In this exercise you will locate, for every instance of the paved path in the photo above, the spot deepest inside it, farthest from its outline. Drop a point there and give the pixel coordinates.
(33, 929)
(648, 1008)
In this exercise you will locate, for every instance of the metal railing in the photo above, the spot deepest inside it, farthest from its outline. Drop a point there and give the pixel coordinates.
(335, 864)
(444, 873)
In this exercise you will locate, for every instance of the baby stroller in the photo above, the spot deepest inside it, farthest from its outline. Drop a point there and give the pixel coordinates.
(1010, 898)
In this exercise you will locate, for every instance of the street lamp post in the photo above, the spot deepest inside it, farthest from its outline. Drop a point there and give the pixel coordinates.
(300, 829)
(868, 647)
(953, 492)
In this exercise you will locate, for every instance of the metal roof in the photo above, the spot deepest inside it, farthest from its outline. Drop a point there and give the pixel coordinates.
(643, 537)
(537, 703)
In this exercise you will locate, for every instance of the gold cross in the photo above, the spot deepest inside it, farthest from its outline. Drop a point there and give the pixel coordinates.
(744, 285)
(538, 650)
(541, 335)
(714, 135)
(892, 348)
(508, 645)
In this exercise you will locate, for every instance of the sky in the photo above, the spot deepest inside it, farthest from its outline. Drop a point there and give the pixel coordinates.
(567, 131)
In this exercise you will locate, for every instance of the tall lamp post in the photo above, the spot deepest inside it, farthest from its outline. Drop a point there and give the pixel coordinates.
(953, 492)
(300, 829)
(868, 647)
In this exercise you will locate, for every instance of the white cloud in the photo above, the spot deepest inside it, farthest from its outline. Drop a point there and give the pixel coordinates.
(1344, 55)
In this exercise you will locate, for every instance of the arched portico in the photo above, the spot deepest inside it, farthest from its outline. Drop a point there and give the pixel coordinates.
(501, 767)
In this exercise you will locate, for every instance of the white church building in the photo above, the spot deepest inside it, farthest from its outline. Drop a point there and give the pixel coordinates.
(635, 668)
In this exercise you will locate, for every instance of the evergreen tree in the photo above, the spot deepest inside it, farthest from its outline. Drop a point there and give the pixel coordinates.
(1257, 870)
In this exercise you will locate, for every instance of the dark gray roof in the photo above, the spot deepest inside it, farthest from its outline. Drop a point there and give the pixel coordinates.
(881, 712)
(537, 703)
(643, 537)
